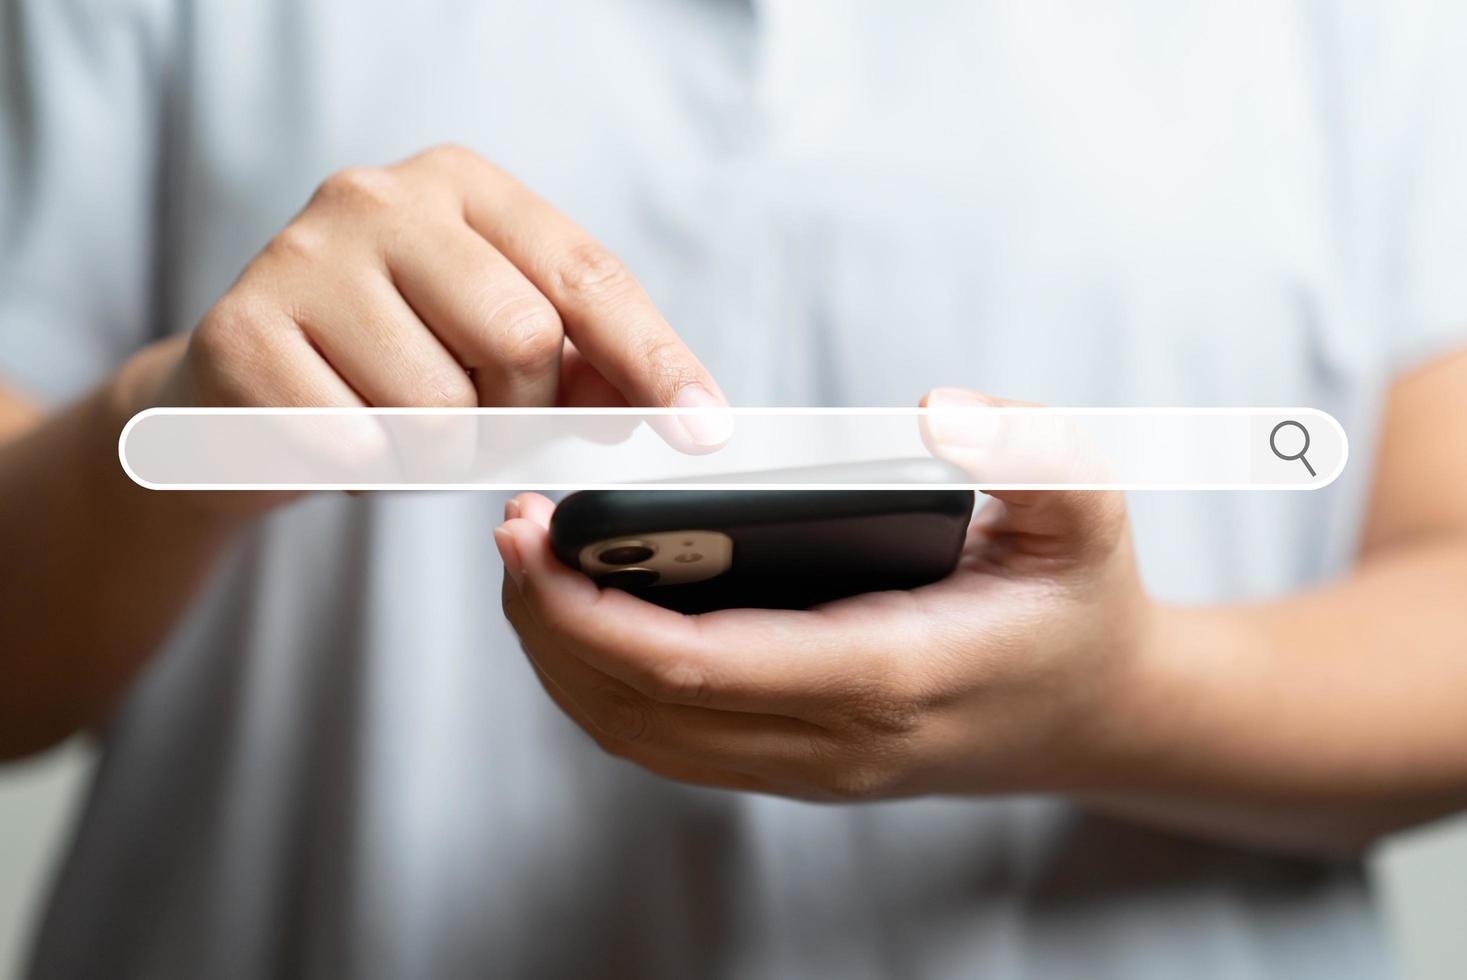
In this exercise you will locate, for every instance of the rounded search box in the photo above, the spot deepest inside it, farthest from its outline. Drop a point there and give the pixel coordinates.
(978, 447)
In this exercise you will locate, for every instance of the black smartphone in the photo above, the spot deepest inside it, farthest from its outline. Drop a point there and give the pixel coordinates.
(701, 550)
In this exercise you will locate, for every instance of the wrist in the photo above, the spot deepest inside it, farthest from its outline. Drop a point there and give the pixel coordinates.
(140, 383)
(1129, 730)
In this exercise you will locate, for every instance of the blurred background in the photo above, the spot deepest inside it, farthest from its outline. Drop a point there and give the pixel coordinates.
(1421, 877)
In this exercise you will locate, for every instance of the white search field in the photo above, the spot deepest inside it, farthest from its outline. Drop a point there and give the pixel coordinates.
(793, 448)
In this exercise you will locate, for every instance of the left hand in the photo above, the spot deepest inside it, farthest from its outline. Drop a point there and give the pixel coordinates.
(1010, 675)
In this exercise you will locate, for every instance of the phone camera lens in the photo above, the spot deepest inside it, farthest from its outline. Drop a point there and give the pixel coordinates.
(631, 578)
(625, 554)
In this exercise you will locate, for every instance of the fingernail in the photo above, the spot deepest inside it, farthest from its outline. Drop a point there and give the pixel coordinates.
(511, 509)
(510, 552)
(954, 421)
(712, 423)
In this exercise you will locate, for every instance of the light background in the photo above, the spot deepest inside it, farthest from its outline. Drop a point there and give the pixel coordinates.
(1422, 875)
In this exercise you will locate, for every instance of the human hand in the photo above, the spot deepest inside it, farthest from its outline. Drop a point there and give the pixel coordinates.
(437, 282)
(1010, 675)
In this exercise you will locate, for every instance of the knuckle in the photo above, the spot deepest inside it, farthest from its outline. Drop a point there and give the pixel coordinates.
(230, 329)
(212, 349)
(232, 344)
(590, 272)
(527, 337)
(666, 359)
(891, 718)
(369, 187)
(620, 719)
(297, 243)
(887, 705)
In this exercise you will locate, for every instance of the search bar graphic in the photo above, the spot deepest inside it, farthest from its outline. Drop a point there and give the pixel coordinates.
(770, 448)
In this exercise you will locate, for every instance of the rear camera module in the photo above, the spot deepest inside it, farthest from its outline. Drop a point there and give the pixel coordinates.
(625, 554)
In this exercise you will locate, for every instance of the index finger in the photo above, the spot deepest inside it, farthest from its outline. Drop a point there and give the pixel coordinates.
(606, 312)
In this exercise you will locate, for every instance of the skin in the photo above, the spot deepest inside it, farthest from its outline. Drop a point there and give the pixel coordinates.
(1313, 723)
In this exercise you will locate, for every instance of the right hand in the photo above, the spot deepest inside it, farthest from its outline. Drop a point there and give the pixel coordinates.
(436, 282)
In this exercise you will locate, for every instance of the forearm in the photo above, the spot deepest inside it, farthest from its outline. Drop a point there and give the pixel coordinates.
(94, 570)
(1317, 723)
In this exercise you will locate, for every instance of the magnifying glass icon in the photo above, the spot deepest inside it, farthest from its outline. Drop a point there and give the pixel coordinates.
(1273, 443)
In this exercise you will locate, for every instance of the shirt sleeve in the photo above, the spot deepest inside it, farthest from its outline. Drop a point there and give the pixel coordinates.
(1425, 217)
(81, 110)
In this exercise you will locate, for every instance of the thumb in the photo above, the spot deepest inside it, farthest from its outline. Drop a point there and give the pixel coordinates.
(1027, 447)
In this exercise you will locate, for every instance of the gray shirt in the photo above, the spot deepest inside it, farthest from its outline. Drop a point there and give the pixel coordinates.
(341, 764)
